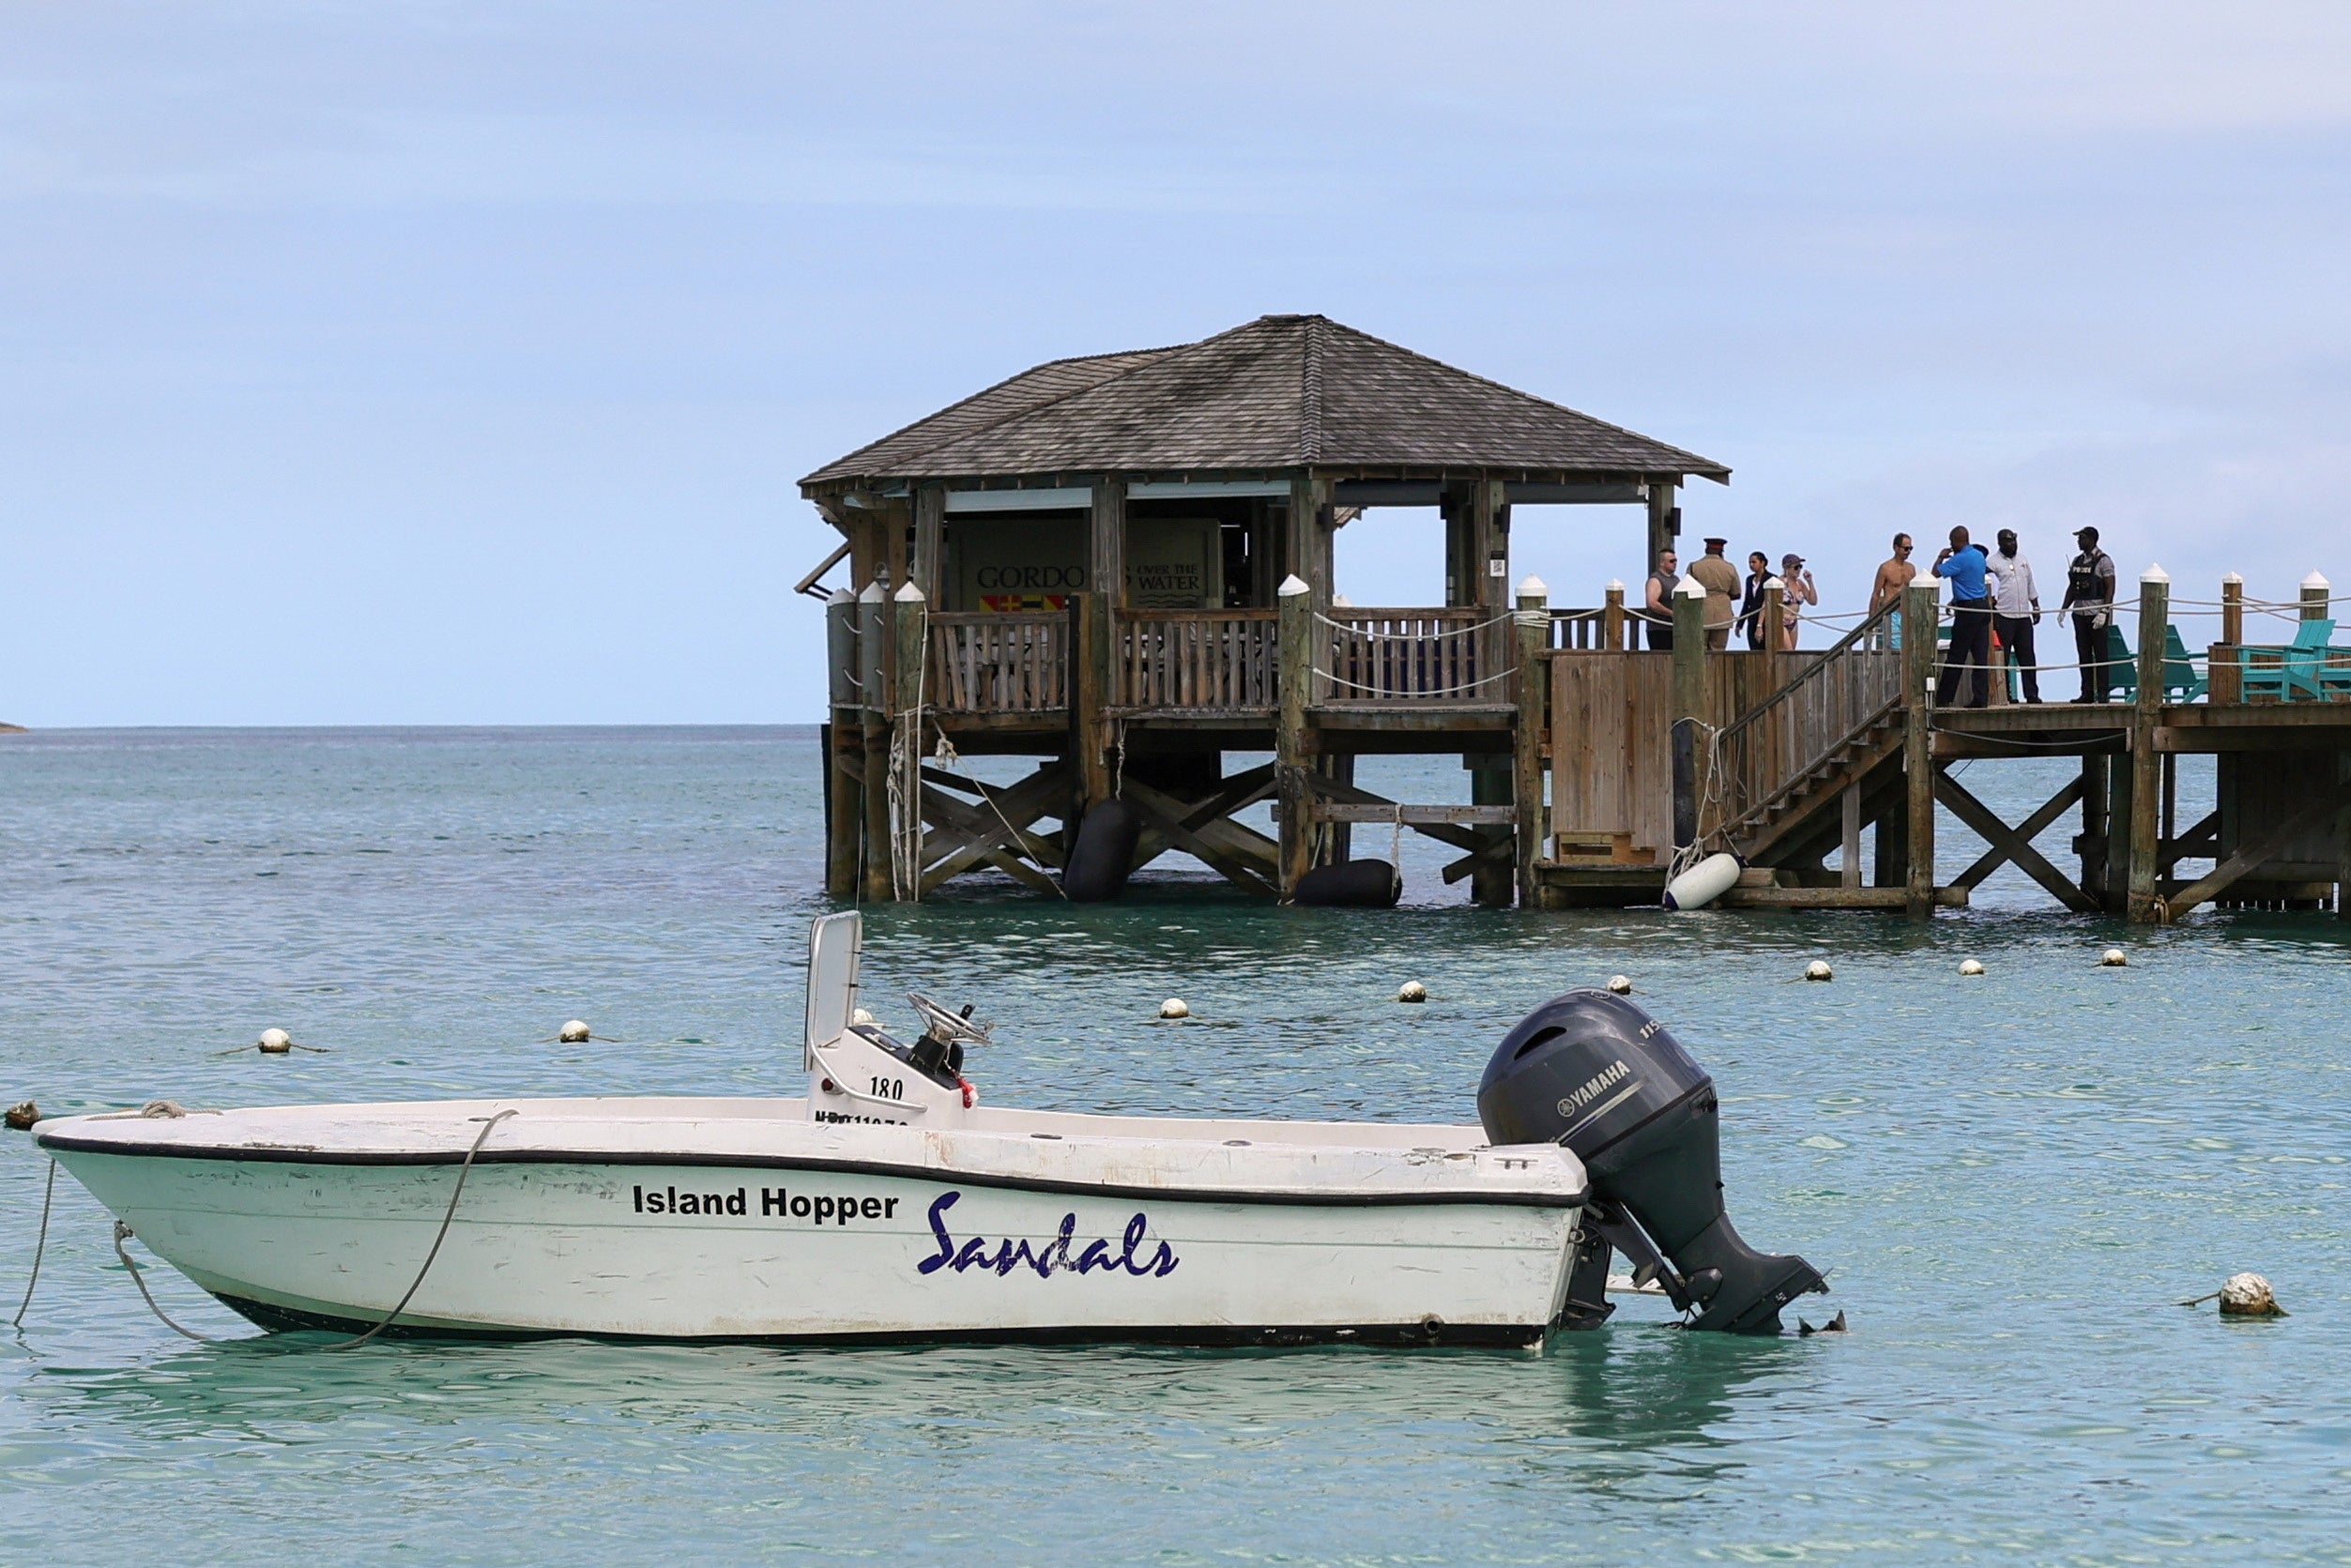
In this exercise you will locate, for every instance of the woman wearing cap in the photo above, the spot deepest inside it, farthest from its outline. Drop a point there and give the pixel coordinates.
(1796, 591)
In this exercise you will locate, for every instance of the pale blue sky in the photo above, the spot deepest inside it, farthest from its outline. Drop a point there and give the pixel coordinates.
(454, 363)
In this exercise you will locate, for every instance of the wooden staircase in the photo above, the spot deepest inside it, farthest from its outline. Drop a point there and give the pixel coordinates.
(1791, 757)
(1794, 815)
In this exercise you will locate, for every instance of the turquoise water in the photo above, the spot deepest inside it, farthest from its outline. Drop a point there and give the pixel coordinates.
(2012, 1178)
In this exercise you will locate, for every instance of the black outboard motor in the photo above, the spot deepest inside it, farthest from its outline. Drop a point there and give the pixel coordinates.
(1593, 1072)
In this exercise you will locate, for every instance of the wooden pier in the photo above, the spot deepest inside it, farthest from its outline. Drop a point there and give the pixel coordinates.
(1120, 567)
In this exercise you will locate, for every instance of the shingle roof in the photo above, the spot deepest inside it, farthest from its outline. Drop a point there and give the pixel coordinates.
(1284, 391)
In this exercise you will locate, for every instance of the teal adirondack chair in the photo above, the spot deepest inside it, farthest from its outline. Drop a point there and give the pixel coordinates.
(2299, 667)
(2181, 683)
(2122, 667)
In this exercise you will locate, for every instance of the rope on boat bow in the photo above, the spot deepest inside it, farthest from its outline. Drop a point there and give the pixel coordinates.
(123, 1232)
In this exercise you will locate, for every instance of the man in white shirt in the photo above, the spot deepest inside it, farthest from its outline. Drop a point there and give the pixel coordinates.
(2016, 609)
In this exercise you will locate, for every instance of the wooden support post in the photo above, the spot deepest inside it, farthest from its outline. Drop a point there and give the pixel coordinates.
(1891, 853)
(2224, 676)
(1296, 674)
(1775, 614)
(1918, 604)
(1090, 666)
(1689, 708)
(2146, 906)
(909, 627)
(1849, 873)
(1612, 618)
(1665, 521)
(1106, 540)
(2315, 589)
(1493, 532)
(2092, 841)
(874, 665)
(844, 799)
(1532, 729)
(930, 540)
(1304, 537)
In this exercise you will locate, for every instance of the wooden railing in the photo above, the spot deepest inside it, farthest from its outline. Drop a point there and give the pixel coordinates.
(1453, 655)
(1848, 688)
(1198, 658)
(985, 662)
(1581, 631)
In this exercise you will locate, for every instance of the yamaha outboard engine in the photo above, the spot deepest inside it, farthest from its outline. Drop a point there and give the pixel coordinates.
(1591, 1071)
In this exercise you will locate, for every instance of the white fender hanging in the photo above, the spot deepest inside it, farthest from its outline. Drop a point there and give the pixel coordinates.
(1703, 883)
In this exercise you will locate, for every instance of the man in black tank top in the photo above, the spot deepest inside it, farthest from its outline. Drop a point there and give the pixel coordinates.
(2090, 595)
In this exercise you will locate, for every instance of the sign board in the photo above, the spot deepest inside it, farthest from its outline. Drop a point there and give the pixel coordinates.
(1035, 564)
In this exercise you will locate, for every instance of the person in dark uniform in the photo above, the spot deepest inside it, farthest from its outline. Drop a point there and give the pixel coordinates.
(2090, 595)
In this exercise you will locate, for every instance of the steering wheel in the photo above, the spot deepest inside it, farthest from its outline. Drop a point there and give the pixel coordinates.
(944, 1025)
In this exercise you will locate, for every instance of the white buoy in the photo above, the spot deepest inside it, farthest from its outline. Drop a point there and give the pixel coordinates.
(1412, 990)
(862, 1016)
(1969, 967)
(1621, 984)
(2114, 958)
(275, 1042)
(574, 1032)
(1819, 970)
(1173, 1007)
(1703, 883)
(2248, 1296)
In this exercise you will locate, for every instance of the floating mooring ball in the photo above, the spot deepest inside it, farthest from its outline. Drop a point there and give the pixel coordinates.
(20, 1117)
(2113, 958)
(1819, 970)
(2248, 1296)
(1969, 967)
(275, 1042)
(1173, 1007)
(1412, 990)
(862, 1016)
(1621, 984)
(573, 1034)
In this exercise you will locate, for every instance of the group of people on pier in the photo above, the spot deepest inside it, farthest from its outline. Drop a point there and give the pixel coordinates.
(1995, 603)
(1732, 607)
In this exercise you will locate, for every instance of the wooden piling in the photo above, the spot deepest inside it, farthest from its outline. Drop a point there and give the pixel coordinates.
(1918, 617)
(2144, 905)
(875, 664)
(1527, 734)
(2315, 590)
(909, 627)
(1612, 618)
(1689, 707)
(1297, 673)
(844, 799)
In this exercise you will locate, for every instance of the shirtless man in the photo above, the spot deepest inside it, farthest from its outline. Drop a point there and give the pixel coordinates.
(1893, 576)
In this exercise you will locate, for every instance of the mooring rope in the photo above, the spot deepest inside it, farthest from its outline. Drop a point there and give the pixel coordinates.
(123, 1233)
(41, 1245)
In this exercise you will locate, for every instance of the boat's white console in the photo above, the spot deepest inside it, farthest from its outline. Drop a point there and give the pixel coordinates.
(857, 1073)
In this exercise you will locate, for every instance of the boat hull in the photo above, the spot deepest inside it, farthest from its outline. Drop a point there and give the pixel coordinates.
(834, 1251)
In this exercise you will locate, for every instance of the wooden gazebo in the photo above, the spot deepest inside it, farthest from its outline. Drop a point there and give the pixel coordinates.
(1087, 562)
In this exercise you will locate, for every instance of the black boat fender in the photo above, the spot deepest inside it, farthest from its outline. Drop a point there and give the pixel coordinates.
(1350, 885)
(1103, 855)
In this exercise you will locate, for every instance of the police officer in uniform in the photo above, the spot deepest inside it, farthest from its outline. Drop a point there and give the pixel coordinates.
(2090, 595)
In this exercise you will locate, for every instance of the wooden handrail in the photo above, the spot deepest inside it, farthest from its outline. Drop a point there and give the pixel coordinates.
(1828, 704)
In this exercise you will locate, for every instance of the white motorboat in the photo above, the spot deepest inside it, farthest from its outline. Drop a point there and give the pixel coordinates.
(887, 1204)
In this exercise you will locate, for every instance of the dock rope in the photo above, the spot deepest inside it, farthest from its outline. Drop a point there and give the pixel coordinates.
(41, 1245)
(123, 1233)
